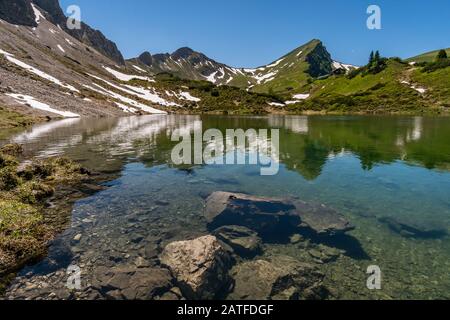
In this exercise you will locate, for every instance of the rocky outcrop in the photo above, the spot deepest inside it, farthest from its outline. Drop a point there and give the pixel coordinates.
(127, 283)
(97, 40)
(146, 58)
(320, 62)
(277, 278)
(87, 35)
(20, 12)
(17, 12)
(266, 215)
(242, 240)
(54, 12)
(200, 267)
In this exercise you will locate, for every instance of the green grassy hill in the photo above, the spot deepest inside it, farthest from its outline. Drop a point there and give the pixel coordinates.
(399, 88)
(427, 57)
(291, 72)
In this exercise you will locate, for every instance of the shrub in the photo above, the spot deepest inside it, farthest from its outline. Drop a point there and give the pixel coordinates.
(8, 178)
(33, 192)
(13, 149)
(434, 66)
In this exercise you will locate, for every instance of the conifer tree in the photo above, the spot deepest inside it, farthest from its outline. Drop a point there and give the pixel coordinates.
(442, 55)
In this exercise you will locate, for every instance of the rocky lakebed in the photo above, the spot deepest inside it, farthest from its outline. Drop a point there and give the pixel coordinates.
(231, 261)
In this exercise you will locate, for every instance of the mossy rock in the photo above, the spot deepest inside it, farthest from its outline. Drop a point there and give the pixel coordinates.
(8, 178)
(12, 149)
(8, 161)
(33, 192)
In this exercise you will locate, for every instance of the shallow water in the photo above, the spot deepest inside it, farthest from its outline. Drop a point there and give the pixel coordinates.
(374, 170)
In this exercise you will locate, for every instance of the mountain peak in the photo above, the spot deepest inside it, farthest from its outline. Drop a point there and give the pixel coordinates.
(146, 58)
(183, 53)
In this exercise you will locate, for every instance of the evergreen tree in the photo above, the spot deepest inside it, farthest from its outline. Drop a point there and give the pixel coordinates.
(442, 55)
(377, 57)
(371, 58)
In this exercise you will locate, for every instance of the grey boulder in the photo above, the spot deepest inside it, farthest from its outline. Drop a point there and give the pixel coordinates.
(200, 267)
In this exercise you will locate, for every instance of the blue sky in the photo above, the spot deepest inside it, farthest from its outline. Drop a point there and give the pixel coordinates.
(249, 33)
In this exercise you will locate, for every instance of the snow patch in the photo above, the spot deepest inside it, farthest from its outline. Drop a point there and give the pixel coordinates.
(38, 15)
(266, 77)
(69, 42)
(301, 96)
(275, 63)
(61, 48)
(211, 77)
(419, 89)
(125, 108)
(339, 65)
(138, 68)
(276, 104)
(103, 91)
(37, 72)
(126, 77)
(189, 97)
(32, 102)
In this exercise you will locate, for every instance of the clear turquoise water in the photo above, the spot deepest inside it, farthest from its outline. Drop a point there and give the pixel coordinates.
(367, 168)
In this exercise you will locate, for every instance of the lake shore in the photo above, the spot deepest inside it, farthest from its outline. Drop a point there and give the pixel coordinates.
(36, 201)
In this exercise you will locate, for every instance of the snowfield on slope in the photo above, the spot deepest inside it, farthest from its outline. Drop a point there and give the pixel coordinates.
(105, 92)
(189, 97)
(10, 58)
(33, 103)
(126, 77)
(38, 15)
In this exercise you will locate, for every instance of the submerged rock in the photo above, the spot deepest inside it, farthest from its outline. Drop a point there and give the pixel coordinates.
(243, 241)
(200, 266)
(268, 214)
(130, 283)
(414, 230)
(277, 278)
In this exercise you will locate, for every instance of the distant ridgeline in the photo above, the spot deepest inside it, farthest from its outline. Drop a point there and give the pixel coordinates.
(36, 42)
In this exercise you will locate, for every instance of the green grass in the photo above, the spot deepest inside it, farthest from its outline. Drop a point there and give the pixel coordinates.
(24, 231)
(438, 83)
(380, 93)
(427, 57)
(293, 72)
(11, 119)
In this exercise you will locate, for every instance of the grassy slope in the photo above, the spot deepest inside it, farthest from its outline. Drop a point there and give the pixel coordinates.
(11, 119)
(214, 99)
(24, 229)
(427, 57)
(290, 78)
(438, 83)
(291, 73)
(380, 93)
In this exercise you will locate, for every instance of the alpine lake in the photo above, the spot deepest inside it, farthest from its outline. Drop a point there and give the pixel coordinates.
(389, 176)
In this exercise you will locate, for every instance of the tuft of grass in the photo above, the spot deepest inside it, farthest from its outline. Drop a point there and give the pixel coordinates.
(24, 233)
(12, 119)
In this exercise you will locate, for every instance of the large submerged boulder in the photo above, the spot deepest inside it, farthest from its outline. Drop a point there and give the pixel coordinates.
(266, 214)
(200, 267)
(243, 241)
(130, 283)
(277, 278)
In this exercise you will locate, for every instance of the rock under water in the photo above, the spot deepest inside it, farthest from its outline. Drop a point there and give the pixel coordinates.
(243, 241)
(277, 278)
(264, 215)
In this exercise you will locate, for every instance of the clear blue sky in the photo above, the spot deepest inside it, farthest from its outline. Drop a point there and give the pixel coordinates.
(249, 33)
